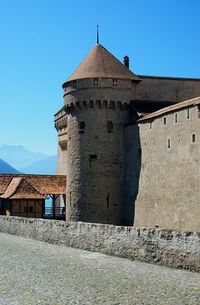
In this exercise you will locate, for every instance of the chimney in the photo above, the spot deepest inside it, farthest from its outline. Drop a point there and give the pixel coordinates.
(126, 61)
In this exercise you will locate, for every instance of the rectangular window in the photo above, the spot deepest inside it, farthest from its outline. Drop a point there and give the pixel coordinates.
(110, 126)
(188, 114)
(81, 127)
(176, 118)
(115, 83)
(193, 138)
(92, 159)
(165, 121)
(74, 84)
(198, 106)
(95, 82)
(150, 125)
(168, 143)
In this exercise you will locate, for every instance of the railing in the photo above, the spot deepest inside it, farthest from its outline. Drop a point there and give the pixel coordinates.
(54, 213)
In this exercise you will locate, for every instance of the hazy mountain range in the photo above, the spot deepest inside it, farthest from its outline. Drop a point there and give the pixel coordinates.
(15, 159)
(45, 166)
(5, 168)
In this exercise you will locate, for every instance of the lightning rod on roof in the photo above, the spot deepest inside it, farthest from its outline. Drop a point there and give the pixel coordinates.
(97, 34)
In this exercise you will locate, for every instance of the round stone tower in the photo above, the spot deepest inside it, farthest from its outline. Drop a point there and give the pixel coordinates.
(90, 129)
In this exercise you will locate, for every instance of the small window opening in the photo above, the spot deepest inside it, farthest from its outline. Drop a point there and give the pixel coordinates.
(95, 82)
(70, 199)
(74, 84)
(176, 118)
(165, 121)
(150, 125)
(110, 126)
(198, 106)
(81, 127)
(108, 201)
(193, 138)
(168, 143)
(115, 83)
(92, 159)
(188, 114)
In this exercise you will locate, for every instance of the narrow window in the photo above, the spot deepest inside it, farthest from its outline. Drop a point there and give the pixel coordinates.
(198, 106)
(150, 125)
(81, 127)
(165, 121)
(115, 83)
(70, 199)
(95, 82)
(109, 126)
(176, 118)
(168, 143)
(92, 159)
(188, 114)
(74, 84)
(108, 200)
(193, 138)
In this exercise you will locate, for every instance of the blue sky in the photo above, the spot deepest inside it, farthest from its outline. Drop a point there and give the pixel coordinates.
(42, 42)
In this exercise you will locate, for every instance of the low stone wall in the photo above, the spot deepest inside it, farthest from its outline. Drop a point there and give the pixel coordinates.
(153, 245)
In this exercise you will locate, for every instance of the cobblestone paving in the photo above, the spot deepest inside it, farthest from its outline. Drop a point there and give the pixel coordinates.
(37, 273)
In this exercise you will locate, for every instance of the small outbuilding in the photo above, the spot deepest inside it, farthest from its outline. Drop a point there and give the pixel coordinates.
(24, 195)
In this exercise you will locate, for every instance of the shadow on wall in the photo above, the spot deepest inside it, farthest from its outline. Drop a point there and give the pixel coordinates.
(132, 168)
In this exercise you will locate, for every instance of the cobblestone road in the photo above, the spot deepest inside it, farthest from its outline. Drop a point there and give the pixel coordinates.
(37, 273)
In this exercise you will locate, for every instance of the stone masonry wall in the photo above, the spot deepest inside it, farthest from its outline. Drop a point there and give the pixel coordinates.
(168, 194)
(166, 247)
(161, 89)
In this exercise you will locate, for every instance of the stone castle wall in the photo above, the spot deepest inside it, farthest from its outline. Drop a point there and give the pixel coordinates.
(165, 89)
(106, 170)
(91, 126)
(169, 175)
(166, 247)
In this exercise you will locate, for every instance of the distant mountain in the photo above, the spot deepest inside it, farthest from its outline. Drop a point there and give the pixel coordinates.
(5, 168)
(46, 166)
(17, 156)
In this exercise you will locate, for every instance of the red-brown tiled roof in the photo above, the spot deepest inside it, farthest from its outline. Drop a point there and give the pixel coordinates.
(100, 63)
(19, 188)
(44, 184)
(178, 106)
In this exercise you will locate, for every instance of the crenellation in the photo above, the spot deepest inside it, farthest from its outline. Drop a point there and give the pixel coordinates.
(129, 157)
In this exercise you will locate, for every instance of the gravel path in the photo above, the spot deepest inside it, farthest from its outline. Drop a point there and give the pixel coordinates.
(37, 273)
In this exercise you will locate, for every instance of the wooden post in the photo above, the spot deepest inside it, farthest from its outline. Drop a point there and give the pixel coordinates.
(43, 208)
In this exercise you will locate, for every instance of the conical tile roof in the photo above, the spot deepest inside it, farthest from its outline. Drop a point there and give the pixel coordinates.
(100, 63)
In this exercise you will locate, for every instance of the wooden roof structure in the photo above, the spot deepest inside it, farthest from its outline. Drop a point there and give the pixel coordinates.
(100, 63)
(43, 184)
(19, 188)
(166, 110)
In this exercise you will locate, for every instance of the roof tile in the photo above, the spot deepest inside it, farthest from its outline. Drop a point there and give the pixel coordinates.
(101, 63)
